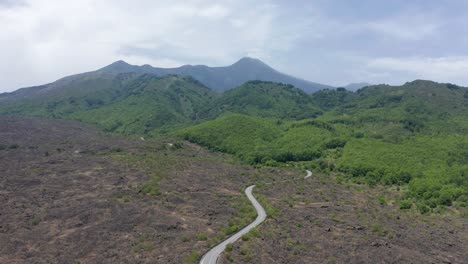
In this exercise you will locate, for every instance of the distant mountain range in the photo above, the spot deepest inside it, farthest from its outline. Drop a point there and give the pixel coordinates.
(222, 78)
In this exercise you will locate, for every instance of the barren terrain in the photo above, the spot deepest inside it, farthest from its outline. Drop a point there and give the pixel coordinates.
(321, 221)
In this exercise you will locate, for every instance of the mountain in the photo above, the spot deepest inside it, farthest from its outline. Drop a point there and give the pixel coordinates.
(127, 103)
(330, 98)
(356, 86)
(142, 103)
(221, 78)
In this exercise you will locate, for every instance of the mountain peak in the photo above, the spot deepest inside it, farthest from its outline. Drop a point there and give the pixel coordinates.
(118, 67)
(119, 63)
(249, 61)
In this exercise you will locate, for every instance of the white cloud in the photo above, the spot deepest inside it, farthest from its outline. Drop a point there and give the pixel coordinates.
(214, 12)
(44, 40)
(411, 28)
(444, 69)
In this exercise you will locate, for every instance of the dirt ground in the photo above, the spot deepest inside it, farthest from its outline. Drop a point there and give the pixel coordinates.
(71, 194)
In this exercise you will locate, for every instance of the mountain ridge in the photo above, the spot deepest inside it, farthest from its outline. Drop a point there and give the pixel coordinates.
(221, 78)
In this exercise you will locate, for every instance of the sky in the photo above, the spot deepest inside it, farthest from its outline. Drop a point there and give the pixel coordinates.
(334, 42)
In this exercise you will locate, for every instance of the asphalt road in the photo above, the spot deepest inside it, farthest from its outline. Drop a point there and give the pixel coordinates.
(211, 257)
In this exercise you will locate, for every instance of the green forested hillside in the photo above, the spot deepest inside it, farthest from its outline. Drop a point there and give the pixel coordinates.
(152, 105)
(328, 99)
(122, 103)
(265, 99)
(416, 134)
(262, 140)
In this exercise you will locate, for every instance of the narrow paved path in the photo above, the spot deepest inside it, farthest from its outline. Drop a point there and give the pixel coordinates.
(211, 257)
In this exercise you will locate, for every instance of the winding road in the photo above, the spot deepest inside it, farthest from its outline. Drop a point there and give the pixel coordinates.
(211, 257)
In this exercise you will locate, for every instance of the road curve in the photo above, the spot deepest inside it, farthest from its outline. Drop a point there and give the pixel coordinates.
(211, 257)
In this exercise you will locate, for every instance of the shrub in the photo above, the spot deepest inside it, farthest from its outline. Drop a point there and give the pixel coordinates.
(335, 143)
(13, 146)
(423, 209)
(178, 145)
(406, 204)
(151, 188)
(192, 258)
(229, 247)
(376, 228)
(202, 237)
(381, 200)
(35, 221)
(116, 149)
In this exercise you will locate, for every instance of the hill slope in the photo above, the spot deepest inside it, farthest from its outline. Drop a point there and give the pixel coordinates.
(265, 99)
(126, 103)
(140, 103)
(416, 133)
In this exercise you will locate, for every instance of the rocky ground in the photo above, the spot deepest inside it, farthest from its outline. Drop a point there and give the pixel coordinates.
(321, 221)
(71, 194)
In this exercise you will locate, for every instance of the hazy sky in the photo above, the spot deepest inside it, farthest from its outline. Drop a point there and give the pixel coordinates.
(329, 41)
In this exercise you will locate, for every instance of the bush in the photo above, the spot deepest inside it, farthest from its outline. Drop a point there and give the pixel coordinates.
(423, 209)
(229, 247)
(13, 146)
(202, 237)
(406, 204)
(151, 188)
(335, 143)
(381, 200)
(178, 145)
(192, 258)
(116, 149)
